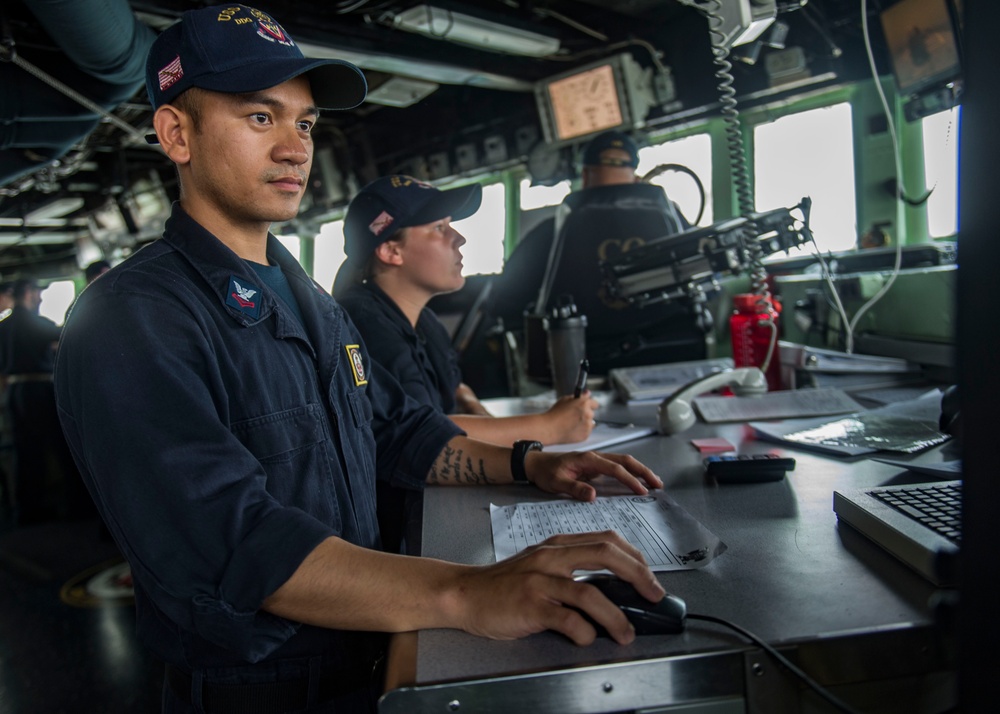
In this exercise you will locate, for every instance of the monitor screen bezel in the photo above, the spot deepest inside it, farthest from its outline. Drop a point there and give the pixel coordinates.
(617, 91)
(931, 19)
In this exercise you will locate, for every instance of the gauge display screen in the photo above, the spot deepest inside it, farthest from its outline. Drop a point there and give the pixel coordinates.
(585, 103)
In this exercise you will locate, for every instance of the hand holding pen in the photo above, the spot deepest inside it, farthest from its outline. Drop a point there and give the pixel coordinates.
(581, 378)
(572, 418)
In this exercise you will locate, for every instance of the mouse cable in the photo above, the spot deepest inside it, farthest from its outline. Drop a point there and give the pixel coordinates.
(784, 661)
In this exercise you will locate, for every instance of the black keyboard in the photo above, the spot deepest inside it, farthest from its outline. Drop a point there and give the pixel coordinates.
(939, 507)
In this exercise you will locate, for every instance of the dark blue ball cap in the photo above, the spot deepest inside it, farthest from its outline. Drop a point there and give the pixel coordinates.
(236, 49)
(390, 203)
(599, 150)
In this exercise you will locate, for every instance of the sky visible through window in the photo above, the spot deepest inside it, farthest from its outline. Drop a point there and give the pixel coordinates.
(941, 171)
(56, 300)
(484, 232)
(693, 152)
(810, 154)
(533, 197)
(328, 253)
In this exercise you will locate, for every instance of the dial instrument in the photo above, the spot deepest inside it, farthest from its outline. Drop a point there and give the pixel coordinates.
(585, 103)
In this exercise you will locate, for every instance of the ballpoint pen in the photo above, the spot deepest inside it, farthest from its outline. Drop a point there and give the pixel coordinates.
(581, 378)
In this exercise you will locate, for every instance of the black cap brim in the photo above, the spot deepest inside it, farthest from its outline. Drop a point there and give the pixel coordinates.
(335, 84)
(458, 203)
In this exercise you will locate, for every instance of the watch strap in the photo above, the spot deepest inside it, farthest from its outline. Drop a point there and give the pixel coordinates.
(517, 457)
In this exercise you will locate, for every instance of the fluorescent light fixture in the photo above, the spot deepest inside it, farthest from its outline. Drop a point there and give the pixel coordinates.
(39, 238)
(427, 70)
(400, 92)
(465, 29)
(54, 209)
(7, 222)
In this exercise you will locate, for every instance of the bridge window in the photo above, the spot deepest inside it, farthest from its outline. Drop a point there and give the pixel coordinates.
(941, 171)
(810, 153)
(292, 243)
(56, 299)
(539, 203)
(328, 253)
(483, 253)
(693, 152)
(533, 197)
(484, 231)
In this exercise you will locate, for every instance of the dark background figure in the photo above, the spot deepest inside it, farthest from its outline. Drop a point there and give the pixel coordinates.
(611, 212)
(95, 270)
(6, 445)
(6, 299)
(46, 482)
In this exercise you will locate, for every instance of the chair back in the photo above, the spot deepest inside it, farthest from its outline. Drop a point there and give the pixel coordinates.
(596, 224)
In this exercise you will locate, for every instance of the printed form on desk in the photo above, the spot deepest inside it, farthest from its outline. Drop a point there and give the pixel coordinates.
(668, 536)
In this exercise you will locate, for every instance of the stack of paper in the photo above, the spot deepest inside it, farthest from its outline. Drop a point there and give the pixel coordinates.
(605, 434)
(905, 427)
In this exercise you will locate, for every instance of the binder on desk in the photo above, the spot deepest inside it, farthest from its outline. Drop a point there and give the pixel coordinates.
(833, 361)
(804, 366)
(906, 427)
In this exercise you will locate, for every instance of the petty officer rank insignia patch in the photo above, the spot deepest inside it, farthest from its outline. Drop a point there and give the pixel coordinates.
(357, 364)
(244, 297)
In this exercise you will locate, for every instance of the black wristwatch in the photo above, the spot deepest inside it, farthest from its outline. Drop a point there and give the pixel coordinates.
(517, 456)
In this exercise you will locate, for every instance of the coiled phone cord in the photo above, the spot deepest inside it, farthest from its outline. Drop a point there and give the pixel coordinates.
(740, 173)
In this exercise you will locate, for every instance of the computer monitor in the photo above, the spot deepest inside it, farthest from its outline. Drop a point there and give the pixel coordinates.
(979, 378)
(612, 93)
(922, 43)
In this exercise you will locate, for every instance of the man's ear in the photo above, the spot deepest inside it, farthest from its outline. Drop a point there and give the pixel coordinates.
(388, 252)
(172, 129)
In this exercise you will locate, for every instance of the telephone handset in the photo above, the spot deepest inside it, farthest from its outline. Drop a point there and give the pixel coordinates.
(676, 413)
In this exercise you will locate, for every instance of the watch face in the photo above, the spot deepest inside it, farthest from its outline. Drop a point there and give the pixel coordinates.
(585, 103)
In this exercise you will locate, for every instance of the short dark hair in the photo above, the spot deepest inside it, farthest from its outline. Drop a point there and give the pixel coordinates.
(95, 269)
(189, 102)
(612, 148)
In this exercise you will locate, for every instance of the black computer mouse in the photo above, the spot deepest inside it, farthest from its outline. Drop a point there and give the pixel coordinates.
(665, 617)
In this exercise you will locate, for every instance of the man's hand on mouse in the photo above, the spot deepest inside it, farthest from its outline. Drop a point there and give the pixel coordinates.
(569, 472)
(535, 591)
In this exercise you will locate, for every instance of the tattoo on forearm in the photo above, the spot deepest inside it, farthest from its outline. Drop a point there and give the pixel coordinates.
(454, 467)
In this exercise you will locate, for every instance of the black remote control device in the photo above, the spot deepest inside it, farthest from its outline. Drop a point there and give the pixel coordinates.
(748, 468)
